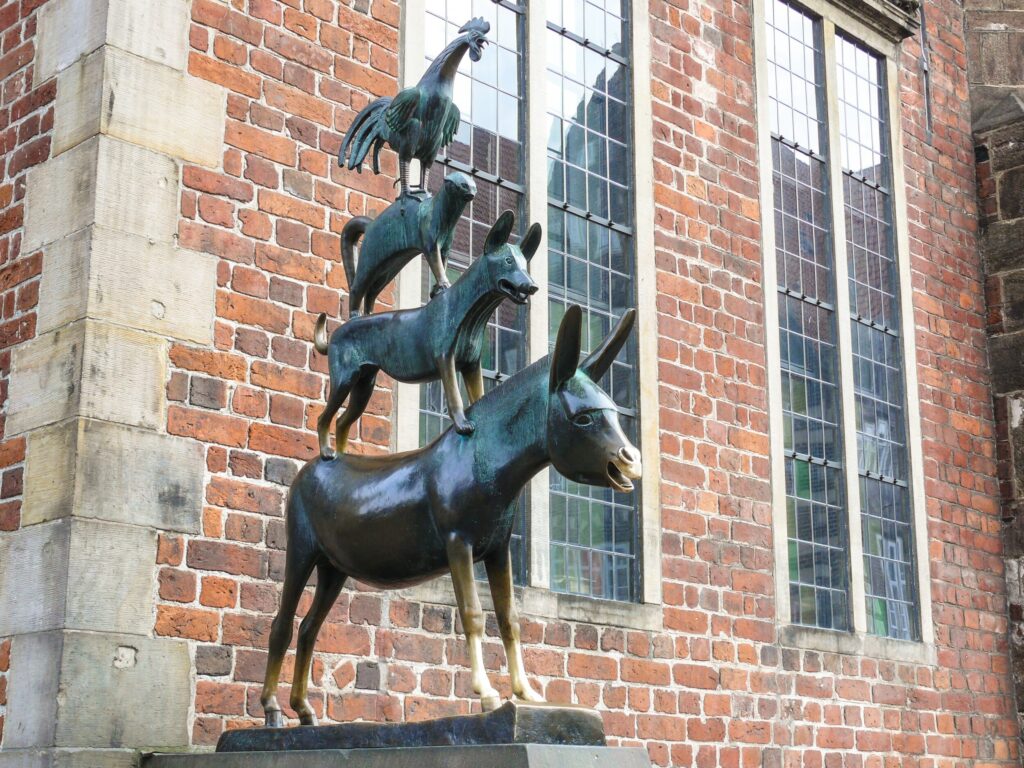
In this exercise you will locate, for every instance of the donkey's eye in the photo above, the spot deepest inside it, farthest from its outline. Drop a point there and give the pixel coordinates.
(583, 420)
(508, 260)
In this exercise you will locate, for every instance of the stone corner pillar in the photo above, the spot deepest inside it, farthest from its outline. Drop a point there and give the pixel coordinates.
(88, 683)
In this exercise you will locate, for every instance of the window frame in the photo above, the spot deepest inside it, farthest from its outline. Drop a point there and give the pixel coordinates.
(837, 21)
(405, 432)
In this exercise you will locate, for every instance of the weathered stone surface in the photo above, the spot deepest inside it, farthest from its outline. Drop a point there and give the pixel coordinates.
(96, 469)
(86, 574)
(1002, 245)
(1007, 362)
(69, 29)
(36, 555)
(88, 369)
(113, 690)
(32, 688)
(69, 758)
(130, 98)
(110, 275)
(512, 723)
(495, 756)
(1011, 193)
(102, 181)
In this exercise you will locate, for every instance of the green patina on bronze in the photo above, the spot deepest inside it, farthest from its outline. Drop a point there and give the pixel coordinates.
(438, 341)
(409, 226)
(397, 520)
(420, 121)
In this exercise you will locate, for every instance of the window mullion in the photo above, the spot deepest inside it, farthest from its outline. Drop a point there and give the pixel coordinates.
(844, 336)
(535, 209)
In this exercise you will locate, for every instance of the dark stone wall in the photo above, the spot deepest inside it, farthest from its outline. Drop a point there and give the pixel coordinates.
(995, 67)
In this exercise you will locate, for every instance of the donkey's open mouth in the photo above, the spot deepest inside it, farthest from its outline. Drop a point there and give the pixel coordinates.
(623, 469)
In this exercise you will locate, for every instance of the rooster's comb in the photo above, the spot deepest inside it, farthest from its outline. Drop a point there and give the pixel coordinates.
(479, 24)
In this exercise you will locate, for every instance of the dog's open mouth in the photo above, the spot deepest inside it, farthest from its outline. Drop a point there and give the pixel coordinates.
(619, 481)
(517, 294)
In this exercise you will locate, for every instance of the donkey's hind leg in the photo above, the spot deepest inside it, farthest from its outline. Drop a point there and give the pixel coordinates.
(329, 582)
(359, 398)
(301, 556)
(460, 560)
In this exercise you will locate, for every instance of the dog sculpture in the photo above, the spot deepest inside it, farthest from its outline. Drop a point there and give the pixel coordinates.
(402, 519)
(409, 226)
(439, 340)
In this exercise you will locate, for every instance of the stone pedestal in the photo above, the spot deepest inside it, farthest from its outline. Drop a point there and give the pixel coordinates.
(492, 756)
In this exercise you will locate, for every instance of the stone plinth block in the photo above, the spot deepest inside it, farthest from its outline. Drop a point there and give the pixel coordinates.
(512, 723)
(493, 756)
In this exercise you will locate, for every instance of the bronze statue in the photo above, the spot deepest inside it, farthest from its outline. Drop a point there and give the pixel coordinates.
(398, 520)
(420, 121)
(437, 341)
(407, 227)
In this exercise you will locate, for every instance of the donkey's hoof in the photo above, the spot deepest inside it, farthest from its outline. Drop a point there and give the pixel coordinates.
(490, 702)
(307, 718)
(273, 718)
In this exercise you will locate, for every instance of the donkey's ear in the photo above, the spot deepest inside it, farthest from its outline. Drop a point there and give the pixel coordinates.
(531, 242)
(500, 232)
(600, 360)
(566, 355)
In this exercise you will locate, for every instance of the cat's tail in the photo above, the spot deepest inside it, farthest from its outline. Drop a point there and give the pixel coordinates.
(350, 234)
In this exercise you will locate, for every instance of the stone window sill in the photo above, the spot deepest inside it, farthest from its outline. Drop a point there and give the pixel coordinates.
(545, 604)
(856, 644)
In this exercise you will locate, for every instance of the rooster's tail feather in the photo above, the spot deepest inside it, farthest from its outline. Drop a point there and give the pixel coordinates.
(367, 130)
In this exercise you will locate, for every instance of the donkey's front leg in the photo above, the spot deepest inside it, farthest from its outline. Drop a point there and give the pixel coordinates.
(499, 575)
(460, 560)
(456, 409)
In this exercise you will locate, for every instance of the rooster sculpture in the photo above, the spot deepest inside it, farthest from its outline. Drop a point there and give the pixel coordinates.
(420, 121)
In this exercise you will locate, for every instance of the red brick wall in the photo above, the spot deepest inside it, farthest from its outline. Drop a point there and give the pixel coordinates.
(714, 687)
(26, 122)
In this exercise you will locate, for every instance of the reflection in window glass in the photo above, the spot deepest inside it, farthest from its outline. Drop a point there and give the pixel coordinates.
(886, 525)
(816, 519)
(590, 263)
(489, 146)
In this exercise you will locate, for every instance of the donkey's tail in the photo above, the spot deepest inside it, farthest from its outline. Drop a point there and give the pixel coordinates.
(350, 235)
(320, 334)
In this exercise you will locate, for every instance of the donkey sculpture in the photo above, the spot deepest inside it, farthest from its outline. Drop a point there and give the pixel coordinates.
(437, 341)
(398, 520)
(407, 227)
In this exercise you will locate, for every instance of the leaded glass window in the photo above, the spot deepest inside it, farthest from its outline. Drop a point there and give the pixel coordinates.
(817, 477)
(590, 263)
(489, 147)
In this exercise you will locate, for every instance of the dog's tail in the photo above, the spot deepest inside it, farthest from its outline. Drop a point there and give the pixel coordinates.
(350, 235)
(320, 334)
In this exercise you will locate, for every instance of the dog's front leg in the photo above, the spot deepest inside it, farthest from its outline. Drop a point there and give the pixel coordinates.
(436, 263)
(456, 409)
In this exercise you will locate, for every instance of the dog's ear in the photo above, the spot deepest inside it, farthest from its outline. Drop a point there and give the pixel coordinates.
(531, 242)
(500, 232)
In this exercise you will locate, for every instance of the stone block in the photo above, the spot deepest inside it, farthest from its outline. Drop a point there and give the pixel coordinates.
(152, 105)
(1006, 358)
(120, 690)
(124, 278)
(99, 690)
(1013, 300)
(38, 556)
(498, 756)
(88, 369)
(32, 688)
(1011, 194)
(1002, 245)
(102, 181)
(96, 469)
(70, 29)
(84, 574)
